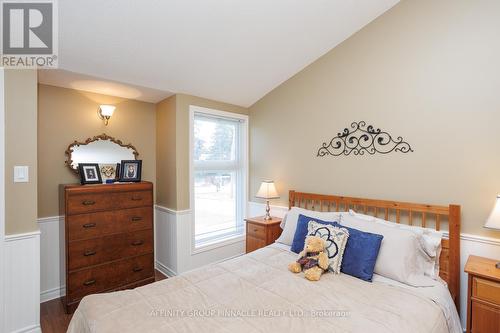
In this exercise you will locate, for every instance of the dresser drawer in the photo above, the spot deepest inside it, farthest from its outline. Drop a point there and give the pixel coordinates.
(256, 231)
(87, 203)
(486, 290)
(95, 202)
(133, 199)
(108, 276)
(84, 253)
(85, 226)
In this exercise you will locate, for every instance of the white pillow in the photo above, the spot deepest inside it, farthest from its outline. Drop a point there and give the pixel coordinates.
(289, 223)
(398, 258)
(430, 243)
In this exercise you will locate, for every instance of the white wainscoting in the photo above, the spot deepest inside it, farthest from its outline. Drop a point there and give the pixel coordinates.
(174, 253)
(22, 282)
(52, 258)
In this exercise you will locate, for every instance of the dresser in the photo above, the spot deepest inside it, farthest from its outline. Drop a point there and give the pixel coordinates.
(483, 296)
(261, 232)
(108, 238)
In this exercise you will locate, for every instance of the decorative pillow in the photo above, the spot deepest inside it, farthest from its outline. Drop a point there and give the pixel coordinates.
(361, 253)
(301, 231)
(292, 218)
(398, 255)
(335, 239)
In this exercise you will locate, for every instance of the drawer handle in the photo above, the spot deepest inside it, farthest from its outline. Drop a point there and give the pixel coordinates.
(137, 243)
(89, 253)
(255, 230)
(89, 282)
(136, 198)
(137, 269)
(88, 202)
(136, 218)
(89, 225)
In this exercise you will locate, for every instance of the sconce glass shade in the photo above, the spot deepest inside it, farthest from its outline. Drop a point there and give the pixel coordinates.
(107, 110)
(493, 221)
(267, 190)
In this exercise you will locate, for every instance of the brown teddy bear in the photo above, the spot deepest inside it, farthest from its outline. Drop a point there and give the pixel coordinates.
(313, 259)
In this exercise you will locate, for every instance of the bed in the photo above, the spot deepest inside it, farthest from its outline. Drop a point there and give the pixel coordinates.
(256, 293)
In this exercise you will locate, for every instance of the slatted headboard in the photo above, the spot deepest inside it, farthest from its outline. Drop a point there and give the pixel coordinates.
(427, 216)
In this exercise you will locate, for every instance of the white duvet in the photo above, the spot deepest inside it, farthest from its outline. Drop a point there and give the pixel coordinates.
(256, 293)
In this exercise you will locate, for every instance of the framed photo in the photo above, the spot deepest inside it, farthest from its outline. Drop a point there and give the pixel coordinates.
(89, 173)
(109, 172)
(130, 171)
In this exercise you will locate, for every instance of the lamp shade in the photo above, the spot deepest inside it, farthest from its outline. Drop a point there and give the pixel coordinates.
(493, 221)
(267, 190)
(107, 110)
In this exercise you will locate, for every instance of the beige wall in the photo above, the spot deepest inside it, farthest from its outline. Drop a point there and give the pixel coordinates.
(426, 70)
(166, 177)
(179, 133)
(20, 149)
(65, 115)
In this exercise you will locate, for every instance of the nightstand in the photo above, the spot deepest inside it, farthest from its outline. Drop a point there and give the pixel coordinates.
(261, 232)
(483, 295)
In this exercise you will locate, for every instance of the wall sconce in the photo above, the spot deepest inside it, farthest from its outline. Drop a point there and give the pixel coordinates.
(105, 112)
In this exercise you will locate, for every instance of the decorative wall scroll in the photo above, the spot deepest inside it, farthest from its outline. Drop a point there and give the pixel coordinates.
(360, 139)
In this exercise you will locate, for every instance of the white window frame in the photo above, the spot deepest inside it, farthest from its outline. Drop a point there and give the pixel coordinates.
(244, 181)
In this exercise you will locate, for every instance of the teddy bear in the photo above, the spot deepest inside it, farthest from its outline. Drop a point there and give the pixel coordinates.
(313, 259)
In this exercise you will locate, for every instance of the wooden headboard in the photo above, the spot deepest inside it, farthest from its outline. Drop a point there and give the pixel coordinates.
(427, 216)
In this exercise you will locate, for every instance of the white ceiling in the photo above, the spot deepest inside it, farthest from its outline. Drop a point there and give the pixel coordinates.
(234, 51)
(67, 79)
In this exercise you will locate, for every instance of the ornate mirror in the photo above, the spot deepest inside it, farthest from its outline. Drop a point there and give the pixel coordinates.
(101, 149)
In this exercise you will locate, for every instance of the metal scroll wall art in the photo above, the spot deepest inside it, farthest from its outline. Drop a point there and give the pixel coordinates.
(360, 139)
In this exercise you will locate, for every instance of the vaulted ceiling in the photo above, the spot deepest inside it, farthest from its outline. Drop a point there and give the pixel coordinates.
(234, 51)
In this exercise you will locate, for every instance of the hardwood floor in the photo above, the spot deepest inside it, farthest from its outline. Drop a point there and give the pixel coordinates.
(53, 319)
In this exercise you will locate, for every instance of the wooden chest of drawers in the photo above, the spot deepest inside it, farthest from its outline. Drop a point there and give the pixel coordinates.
(261, 232)
(483, 297)
(108, 236)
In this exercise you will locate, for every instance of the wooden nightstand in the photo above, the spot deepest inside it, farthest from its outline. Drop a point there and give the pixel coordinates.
(261, 233)
(483, 295)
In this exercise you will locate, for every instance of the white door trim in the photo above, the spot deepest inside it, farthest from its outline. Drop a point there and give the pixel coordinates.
(2, 202)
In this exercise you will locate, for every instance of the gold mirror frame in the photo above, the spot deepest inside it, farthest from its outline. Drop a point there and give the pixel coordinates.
(104, 137)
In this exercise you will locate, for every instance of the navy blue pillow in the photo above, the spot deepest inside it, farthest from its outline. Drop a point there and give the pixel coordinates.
(360, 254)
(299, 238)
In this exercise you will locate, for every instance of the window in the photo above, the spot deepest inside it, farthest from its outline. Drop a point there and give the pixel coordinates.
(218, 174)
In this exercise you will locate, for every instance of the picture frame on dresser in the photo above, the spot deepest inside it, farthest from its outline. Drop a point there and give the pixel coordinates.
(130, 171)
(89, 173)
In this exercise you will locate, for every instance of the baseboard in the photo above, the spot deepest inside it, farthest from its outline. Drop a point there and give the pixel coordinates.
(164, 269)
(50, 294)
(29, 329)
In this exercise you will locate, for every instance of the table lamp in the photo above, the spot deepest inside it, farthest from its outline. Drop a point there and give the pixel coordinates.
(493, 221)
(267, 191)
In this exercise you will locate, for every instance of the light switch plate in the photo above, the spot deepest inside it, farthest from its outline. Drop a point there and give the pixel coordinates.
(21, 174)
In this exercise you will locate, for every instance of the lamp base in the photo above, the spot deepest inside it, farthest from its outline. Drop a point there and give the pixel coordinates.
(267, 217)
(497, 265)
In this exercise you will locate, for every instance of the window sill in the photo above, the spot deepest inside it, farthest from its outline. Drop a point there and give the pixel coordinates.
(211, 245)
